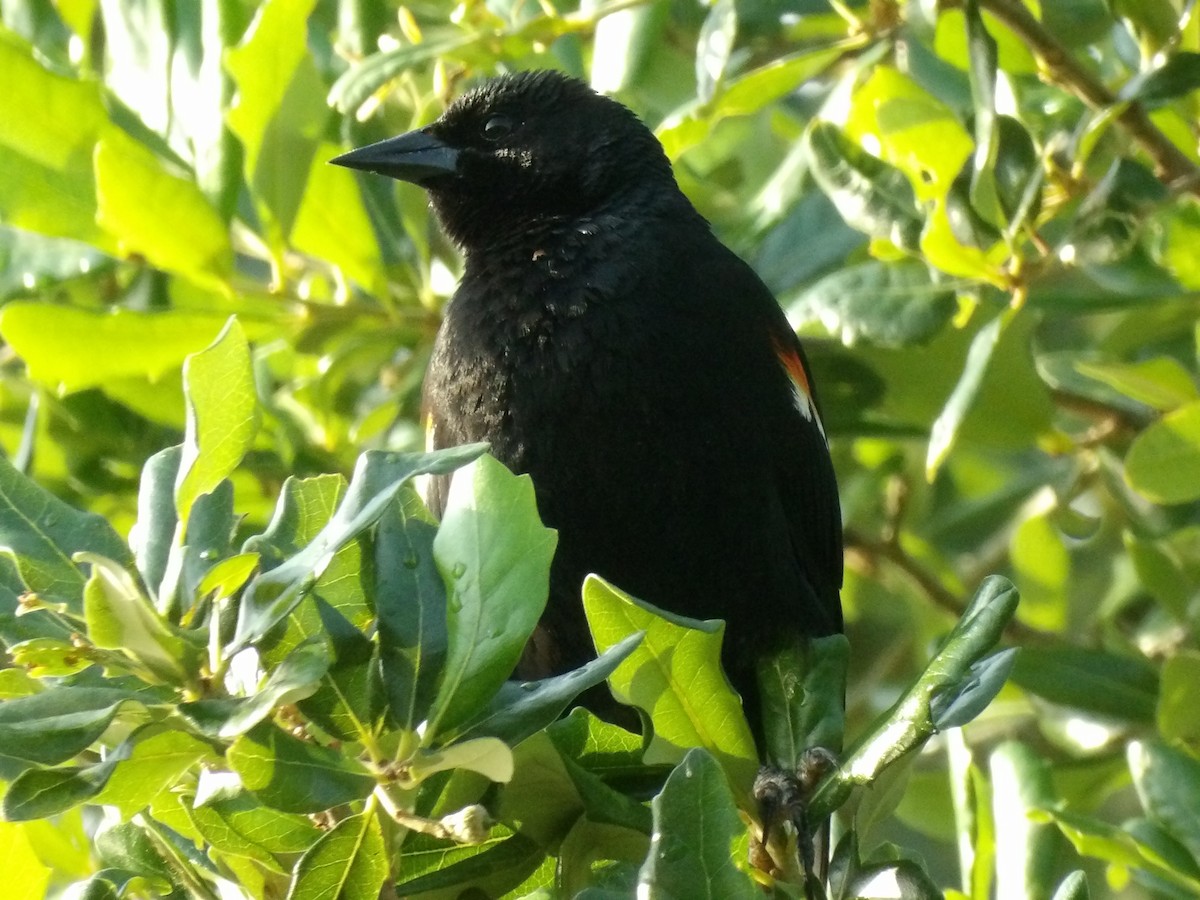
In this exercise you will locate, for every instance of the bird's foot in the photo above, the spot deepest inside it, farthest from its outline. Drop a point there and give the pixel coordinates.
(782, 798)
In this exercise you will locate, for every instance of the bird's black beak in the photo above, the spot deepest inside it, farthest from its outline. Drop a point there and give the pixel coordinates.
(417, 157)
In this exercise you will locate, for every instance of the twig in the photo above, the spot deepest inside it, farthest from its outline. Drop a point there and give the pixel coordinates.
(1172, 165)
(941, 597)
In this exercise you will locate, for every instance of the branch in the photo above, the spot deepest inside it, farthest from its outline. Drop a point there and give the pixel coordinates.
(1171, 164)
(930, 585)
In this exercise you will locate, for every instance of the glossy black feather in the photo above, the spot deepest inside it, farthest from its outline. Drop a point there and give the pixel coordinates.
(604, 341)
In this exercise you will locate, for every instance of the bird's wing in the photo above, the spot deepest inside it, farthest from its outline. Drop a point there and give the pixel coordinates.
(808, 488)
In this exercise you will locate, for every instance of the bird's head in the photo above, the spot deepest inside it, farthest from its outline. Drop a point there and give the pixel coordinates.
(519, 150)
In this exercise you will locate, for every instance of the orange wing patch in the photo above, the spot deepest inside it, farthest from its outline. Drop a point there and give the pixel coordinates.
(793, 365)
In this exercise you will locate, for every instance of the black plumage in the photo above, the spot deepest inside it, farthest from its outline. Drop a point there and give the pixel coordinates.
(605, 342)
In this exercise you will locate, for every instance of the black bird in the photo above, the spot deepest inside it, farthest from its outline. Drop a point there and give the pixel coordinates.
(605, 342)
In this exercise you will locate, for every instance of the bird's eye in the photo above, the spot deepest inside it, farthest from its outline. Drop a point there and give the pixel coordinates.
(497, 127)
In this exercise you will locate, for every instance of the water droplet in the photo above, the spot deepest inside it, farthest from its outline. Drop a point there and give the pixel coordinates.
(411, 561)
(459, 570)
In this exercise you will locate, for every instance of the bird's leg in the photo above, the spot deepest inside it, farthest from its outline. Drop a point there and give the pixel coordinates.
(783, 796)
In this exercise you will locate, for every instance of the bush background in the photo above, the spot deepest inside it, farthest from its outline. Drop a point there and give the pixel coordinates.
(981, 216)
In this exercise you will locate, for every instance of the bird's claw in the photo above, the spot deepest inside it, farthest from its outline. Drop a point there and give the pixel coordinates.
(783, 796)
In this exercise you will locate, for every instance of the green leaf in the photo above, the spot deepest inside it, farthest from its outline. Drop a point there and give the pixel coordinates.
(494, 556)
(1123, 849)
(1120, 687)
(1163, 463)
(1177, 76)
(222, 416)
(68, 348)
(360, 82)
(909, 723)
(234, 822)
(41, 793)
(494, 867)
(697, 855)
(802, 689)
(871, 195)
(411, 606)
(120, 618)
(714, 47)
(488, 756)
(58, 724)
(42, 534)
(1026, 851)
(160, 216)
(296, 776)
(348, 863)
(25, 875)
(520, 709)
(28, 259)
(154, 764)
(945, 429)
(129, 847)
(1178, 714)
(332, 204)
(44, 657)
(272, 595)
(889, 304)
(153, 535)
(51, 123)
(292, 680)
(1073, 887)
(1168, 784)
(1161, 383)
(675, 676)
(280, 113)
(757, 88)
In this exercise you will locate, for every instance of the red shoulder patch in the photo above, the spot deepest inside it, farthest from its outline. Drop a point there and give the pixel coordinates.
(789, 357)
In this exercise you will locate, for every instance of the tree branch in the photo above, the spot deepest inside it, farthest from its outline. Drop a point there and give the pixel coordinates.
(1171, 164)
(930, 585)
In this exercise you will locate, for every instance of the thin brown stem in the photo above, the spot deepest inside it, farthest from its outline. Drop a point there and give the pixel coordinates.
(1172, 166)
(892, 553)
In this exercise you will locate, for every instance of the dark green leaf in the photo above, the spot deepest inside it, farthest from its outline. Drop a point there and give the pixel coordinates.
(697, 855)
(348, 863)
(494, 556)
(153, 535)
(890, 304)
(1178, 76)
(410, 600)
(495, 867)
(802, 692)
(55, 725)
(377, 477)
(1098, 681)
(872, 196)
(519, 709)
(41, 793)
(295, 776)
(1168, 784)
(42, 534)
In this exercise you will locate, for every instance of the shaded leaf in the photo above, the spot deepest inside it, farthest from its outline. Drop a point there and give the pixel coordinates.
(697, 855)
(494, 556)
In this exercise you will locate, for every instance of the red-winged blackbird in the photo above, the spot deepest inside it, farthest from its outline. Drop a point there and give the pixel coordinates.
(606, 343)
